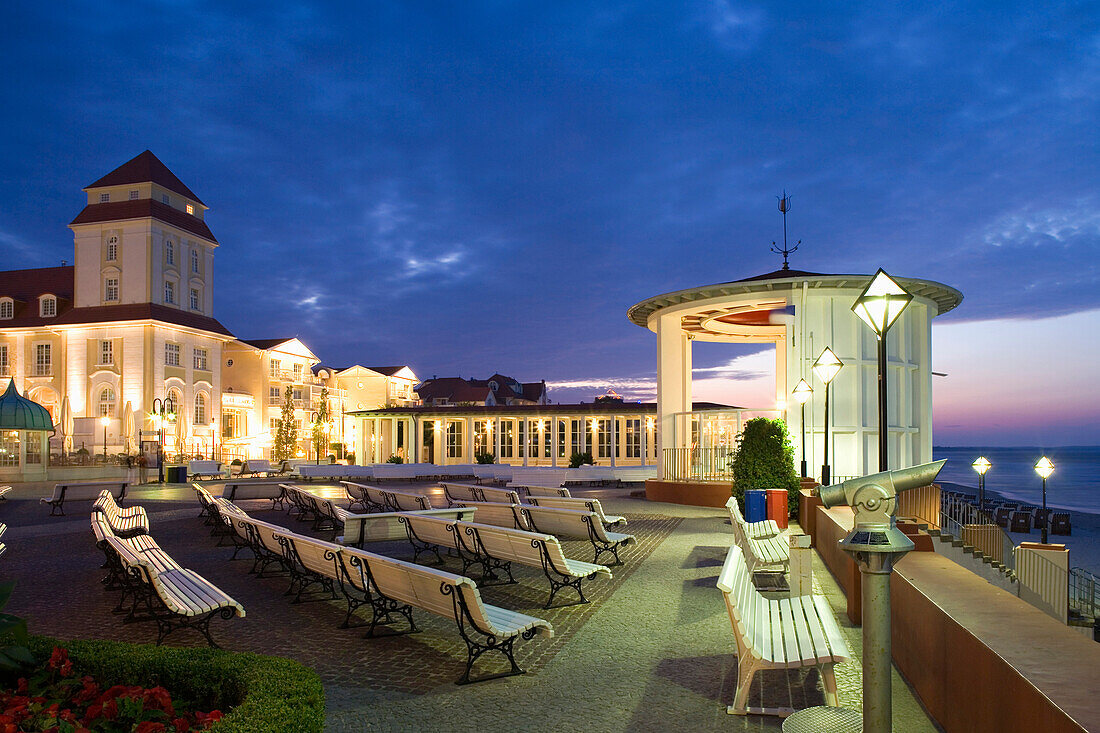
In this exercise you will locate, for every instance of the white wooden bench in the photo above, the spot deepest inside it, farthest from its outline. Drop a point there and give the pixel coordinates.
(546, 491)
(82, 491)
(580, 525)
(498, 515)
(756, 530)
(174, 597)
(240, 491)
(460, 492)
(256, 466)
(499, 496)
(395, 586)
(579, 504)
(368, 497)
(786, 633)
(210, 469)
(4, 491)
(405, 501)
(766, 554)
(123, 522)
(386, 526)
(539, 476)
(311, 562)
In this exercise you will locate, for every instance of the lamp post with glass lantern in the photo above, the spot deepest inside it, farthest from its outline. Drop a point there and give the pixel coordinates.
(104, 421)
(880, 304)
(981, 465)
(1044, 468)
(802, 392)
(826, 368)
(159, 415)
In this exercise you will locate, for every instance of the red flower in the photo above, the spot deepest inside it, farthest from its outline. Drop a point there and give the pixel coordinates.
(205, 720)
(149, 726)
(158, 698)
(21, 687)
(181, 724)
(59, 657)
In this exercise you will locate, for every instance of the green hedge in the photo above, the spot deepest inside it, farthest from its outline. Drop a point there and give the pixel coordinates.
(257, 693)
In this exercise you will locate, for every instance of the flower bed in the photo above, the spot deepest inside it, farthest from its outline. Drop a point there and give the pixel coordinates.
(113, 686)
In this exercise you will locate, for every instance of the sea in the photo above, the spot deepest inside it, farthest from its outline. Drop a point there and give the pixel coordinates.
(1074, 485)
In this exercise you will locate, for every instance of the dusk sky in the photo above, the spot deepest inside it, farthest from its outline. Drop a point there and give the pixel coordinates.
(470, 188)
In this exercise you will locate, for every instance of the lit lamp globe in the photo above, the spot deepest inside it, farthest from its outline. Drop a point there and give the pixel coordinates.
(1044, 468)
(826, 368)
(981, 465)
(802, 392)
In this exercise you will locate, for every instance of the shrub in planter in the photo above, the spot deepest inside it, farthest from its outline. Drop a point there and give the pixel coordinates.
(395, 459)
(485, 457)
(765, 460)
(581, 459)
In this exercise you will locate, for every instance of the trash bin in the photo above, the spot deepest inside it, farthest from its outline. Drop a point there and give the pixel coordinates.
(755, 506)
(777, 507)
(175, 474)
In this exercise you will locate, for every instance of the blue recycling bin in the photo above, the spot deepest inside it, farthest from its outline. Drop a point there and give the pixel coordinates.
(756, 505)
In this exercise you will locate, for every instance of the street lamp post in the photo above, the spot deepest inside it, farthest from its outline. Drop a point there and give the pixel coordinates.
(981, 465)
(1044, 468)
(880, 304)
(160, 412)
(802, 392)
(826, 368)
(104, 421)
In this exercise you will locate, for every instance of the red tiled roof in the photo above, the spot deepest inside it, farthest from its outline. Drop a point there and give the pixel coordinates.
(27, 285)
(534, 391)
(265, 344)
(141, 208)
(145, 168)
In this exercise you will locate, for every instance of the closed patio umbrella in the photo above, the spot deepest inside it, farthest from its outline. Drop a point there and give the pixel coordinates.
(128, 428)
(183, 433)
(66, 426)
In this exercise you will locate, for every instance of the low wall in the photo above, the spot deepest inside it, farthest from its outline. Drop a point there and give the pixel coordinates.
(979, 658)
(693, 493)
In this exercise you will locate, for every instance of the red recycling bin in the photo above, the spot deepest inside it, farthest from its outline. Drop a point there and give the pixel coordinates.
(777, 507)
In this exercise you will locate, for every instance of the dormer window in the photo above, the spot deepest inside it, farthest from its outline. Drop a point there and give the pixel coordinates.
(47, 307)
(7, 308)
(104, 198)
(190, 209)
(134, 194)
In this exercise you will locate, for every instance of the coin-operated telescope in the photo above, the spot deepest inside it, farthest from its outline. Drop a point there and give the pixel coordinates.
(876, 543)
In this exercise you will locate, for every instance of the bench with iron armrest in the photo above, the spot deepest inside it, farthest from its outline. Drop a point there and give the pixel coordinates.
(301, 500)
(370, 498)
(405, 501)
(255, 467)
(83, 491)
(210, 469)
(756, 530)
(787, 633)
(579, 504)
(546, 491)
(575, 524)
(172, 598)
(325, 513)
(499, 496)
(393, 586)
(498, 515)
(224, 511)
(262, 538)
(460, 492)
(434, 533)
(240, 491)
(310, 562)
(767, 554)
(1060, 524)
(124, 522)
(206, 503)
(533, 550)
(386, 526)
(4, 491)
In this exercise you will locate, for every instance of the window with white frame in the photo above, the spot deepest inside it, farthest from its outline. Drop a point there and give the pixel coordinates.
(47, 307)
(171, 354)
(195, 261)
(112, 249)
(169, 253)
(10, 448)
(200, 359)
(7, 308)
(298, 394)
(194, 299)
(134, 194)
(273, 424)
(454, 439)
(104, 198)
(633, 438)
(110, 289)
(5, 365)
(603, 438)
(43, 360)
(106, 404)
(273, 395)
(172, 403)
(169, 291)
(507, 435)
(297, 372)
(275, 368)
(200, 409)
(164, 198)
(106, 353)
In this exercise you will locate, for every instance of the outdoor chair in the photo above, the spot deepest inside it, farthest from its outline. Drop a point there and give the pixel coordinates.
(1020, 521)
(1042, 516)
(1001, 515)
(1059, 523)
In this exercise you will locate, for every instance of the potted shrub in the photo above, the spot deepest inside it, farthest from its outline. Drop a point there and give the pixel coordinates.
(485, 457)
(765, 460)
(581, 459)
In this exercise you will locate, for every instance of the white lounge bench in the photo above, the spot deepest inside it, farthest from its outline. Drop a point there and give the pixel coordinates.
(4, 491)
(460, 492)
(756, 530)
(546, 491)
(240, 491)
(386, 526)
(369, 498)
(210, 469)
(499, 496)
(498, 515)
(82, 491)
(579, 504)
(405, 501)
(538, 476)
(255, 466)
(398, 587)
(787, 633)
(123, 522)
(766, 554)
(580, 525)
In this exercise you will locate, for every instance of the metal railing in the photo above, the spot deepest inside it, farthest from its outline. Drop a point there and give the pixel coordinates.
(1084, 593)
(978, 529)
(698, 464)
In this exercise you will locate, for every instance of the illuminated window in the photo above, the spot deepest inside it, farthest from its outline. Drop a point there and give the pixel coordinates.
(7, 308)
(107, 402)
(43, 360)
(194, 299)
(110, 289)
(190, 209)
(9, 447)
(603, 438)
(273, 395)
(507, 435)
(172, 403)
(275, 368)
(169, 291)
(563, 428)
(5, 365)
(633, 438)
(171, 354)
(104, 198)
(297, 373)
(48, 307)
(112, 249)
(200, 409)
(106, 353)
(454, 439)
(200, 359)
(133, 195)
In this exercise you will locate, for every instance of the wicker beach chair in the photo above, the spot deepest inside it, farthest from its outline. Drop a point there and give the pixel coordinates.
(1020, 521)
(1059, 523)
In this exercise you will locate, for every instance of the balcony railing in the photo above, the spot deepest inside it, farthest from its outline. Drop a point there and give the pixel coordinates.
(698, 464)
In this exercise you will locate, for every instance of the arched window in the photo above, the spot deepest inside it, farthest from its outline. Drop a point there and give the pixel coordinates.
(200, 409)
(47, 306)
(107, 402)
(172, 402)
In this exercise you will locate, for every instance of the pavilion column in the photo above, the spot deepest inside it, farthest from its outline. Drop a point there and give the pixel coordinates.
(468, 442)
(554, 441)
(393, 435)
(673, 387)
(614, 438)
(524, 437)
(414, 440)
(496, 438)
(437, 441)
(376, 438)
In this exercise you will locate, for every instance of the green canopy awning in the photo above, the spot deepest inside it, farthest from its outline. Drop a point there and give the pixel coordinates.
(19, 413)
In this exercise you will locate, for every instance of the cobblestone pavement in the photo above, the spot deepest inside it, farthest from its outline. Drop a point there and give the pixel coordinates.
(652, 651)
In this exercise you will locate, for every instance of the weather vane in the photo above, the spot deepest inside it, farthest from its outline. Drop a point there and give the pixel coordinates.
(784, 207)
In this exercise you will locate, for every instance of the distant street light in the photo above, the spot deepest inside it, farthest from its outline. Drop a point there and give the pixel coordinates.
(826, 368)
(104, 421)
(981, 465)
(1044, 468)
(879, 306)
(802, 392)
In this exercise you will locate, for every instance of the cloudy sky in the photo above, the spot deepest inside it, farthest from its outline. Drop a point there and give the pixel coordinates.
(478, 187)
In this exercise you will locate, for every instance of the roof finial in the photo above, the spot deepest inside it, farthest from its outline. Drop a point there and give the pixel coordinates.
(784, 207)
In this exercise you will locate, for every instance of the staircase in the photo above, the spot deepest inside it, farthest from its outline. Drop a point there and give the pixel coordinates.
(972, 559)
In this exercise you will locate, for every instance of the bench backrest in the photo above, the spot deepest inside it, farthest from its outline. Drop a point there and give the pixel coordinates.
(204, 467)
(205, 497)
(562, 522)
(266, 534)
(89, 490)
(460, 492)
(373, 495)
(516, 545)
(316, 556)
(425, 588)
(101, 528)
(499, 515)
(743, 602)
(262, 490)
(256, 465)
(563, 502)
(432, 530)
(547, 491)
(499, 496)
(406, 501)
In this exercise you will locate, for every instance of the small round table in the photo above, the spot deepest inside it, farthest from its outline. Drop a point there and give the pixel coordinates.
(824, 719)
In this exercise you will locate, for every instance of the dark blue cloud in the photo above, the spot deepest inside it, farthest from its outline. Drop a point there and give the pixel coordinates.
(473, 187)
